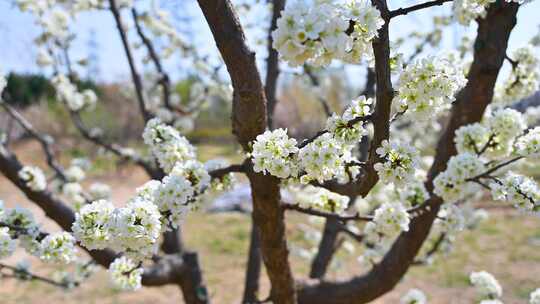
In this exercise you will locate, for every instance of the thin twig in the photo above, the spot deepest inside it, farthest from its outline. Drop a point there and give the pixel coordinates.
(406, 10)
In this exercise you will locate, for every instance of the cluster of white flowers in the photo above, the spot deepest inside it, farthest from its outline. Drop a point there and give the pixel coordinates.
(342, 127)
(452, 185)
(451, 218)
(7, 244)
(137, 228)
(414, 296)
(172, 196)
(496, 134)
(58, 248)
(323, 159)
(322, 199)
(528, 145)
(486, 285)
(522, 191)
(166, 144)
(524, 78)
(427, 86)
(94, 225)
(68, 93)
(99, 191)
(33, 177)
(390, 219)
(125, 274)
(133, 229)
(534, 298)
(74, 194)
(325, 31)
(399, 162)
(467, 10)
(274, 152)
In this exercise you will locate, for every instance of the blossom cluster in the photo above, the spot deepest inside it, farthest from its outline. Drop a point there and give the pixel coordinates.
(33, 177)
(452, 184)
(427, 86)
(274, 152)
(322, 199)
(18, 227)
(524, 78)
(467, 10)
(522, 191)
(70, 95)
(125, 274)
(325, 31)
(325, 157)
(166, 144)
(414, 296)
(495, 135)
(399, 161)
(486, 285)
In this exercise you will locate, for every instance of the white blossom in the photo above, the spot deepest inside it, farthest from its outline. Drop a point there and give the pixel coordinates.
(467, 10)
(486, 285)
(427, 86)
(414, 296)
(125, 274)
(34, 178)
(94, 225)
(452, 185)
(99, 191)
(522, 191)
(166, 144)
(523, 79)
(391, 218)
(528, 145)
(137, 228)
(7, 244)
(325, 31)
(399, 161)
(322, 199)
(273, 152)
(172, 198)
(58, 248)
(535, 297)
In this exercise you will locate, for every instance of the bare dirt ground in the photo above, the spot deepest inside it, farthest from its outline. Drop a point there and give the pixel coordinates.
(507, 245)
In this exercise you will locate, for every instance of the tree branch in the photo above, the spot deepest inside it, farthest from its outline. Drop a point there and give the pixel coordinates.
(134, 74)
(250, 120)
(413, 8)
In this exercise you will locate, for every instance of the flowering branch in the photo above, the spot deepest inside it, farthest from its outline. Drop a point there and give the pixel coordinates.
(44, 140)
(134, 74)
(413, 8)
(350, 124)
(23, 274)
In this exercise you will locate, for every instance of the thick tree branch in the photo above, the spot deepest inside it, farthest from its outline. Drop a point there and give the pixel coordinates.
(249, 120)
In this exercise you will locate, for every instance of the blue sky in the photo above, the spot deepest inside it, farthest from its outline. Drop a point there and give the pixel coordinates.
(18, 31)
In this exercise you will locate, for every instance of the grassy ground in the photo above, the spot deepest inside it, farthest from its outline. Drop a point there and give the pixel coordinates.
(507, 245)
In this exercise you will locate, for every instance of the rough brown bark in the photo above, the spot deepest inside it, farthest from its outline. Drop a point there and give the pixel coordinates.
(249, 120)
(490, 47)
